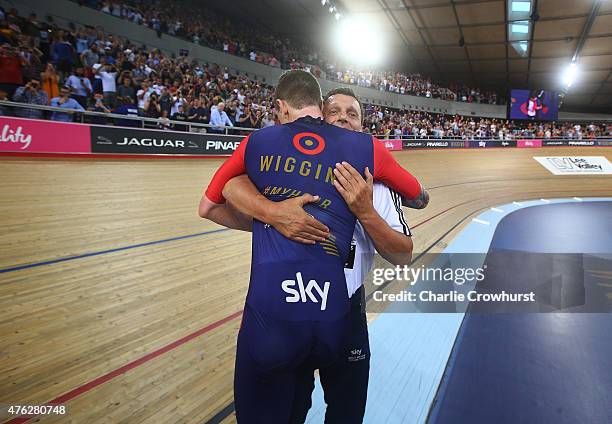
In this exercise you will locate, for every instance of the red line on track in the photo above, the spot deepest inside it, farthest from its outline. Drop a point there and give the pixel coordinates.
(124, 369)
(107, 377)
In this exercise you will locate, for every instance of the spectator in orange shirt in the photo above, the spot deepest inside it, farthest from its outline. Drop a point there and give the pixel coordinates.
(50, 81)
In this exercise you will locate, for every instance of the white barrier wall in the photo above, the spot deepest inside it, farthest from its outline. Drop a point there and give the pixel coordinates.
(64, 11)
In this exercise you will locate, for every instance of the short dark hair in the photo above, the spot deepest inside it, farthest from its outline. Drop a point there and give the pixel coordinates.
(346, 92)
(299, 89)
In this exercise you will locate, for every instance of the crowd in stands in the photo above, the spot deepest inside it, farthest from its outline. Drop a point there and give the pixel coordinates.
(411, 84)
(392, 123)
(186, 20)
(85, 69)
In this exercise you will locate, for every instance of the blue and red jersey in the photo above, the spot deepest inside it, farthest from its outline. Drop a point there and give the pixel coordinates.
(291, 280)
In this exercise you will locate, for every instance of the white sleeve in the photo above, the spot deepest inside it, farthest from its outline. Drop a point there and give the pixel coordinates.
(388, 204)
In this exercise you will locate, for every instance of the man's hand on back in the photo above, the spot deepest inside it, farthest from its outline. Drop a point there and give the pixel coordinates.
(291, 220)
(288, 216)
(356, 191)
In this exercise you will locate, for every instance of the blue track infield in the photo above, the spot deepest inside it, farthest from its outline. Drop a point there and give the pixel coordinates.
(504, 368)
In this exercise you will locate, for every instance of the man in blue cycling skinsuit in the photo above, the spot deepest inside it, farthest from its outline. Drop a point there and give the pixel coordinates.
(297, 305)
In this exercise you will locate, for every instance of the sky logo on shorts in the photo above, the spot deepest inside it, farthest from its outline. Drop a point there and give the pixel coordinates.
(308, 143)
(304, 293)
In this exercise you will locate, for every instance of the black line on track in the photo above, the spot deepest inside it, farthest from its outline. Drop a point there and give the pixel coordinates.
(222, 414)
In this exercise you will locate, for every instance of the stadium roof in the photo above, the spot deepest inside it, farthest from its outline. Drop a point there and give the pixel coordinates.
(475, 40)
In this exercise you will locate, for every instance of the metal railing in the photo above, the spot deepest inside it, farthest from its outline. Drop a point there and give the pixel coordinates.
(188, 126)
(81, 117)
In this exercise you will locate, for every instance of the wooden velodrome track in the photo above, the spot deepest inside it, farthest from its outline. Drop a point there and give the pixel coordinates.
(128, 334)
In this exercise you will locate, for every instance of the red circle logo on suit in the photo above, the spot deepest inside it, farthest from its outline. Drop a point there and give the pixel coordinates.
(308, 143)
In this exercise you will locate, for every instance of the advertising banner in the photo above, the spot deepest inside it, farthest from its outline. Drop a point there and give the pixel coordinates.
(581, 143)
(529, 143)
(490, 143)
(434, 144)
(393, 144)
(576, 165)
(137, 141)
(437, 144)
(413, 143)
(37, 136)
(554, 142)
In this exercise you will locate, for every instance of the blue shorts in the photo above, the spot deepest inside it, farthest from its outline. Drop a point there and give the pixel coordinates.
(270, 353)
(345, 383)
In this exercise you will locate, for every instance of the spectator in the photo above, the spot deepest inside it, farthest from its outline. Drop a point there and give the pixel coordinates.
(108, 74)
(152, 109)
(232, 110)
(32, 63)
(79, 86)
(31, 94)
(244, 121)
(128, 108)
(219, 119)
(11, 65)
(90, 57)
(31, 27)
(64, 101)
(81, 42)
(198, 114)
(4, 110)
(62, 53)
(267, 120)
(178, 100)
(50, 81)
(164, 122)
(166, 100)
(180, 115)
(143, 96)
(99, 107)
(7, 34)
(126, 89)
(256, 119)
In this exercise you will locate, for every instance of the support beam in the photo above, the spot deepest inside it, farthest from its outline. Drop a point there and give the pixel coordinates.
(399, 29)
(586, 29)
(409, 11)
(531, 38)
(467, 53)
(507, 44)
(493, 23)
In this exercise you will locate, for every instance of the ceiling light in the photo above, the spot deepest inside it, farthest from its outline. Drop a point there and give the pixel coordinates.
(569, 76)
(359, 41)
(520, 28)
(521, 6)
